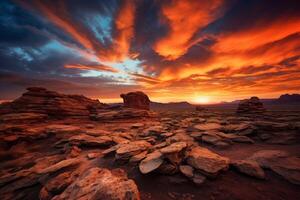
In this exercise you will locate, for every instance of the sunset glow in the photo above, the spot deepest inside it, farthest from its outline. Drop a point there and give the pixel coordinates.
(198, 51)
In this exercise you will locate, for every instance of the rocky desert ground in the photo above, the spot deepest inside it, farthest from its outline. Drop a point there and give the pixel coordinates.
(56, 146)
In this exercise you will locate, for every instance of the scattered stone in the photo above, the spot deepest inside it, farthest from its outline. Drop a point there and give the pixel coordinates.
(187, 170)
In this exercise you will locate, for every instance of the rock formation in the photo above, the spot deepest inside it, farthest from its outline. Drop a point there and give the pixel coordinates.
(66, 158)
(42, 101)
(138, 100)
(252, 105)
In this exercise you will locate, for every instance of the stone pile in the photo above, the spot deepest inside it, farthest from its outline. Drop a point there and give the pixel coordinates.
(171, 156)
(252, 105)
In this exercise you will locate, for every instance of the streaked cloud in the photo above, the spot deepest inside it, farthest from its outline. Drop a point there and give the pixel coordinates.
(173, 50)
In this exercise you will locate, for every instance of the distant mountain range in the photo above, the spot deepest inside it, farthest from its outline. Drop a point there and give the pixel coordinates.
(283, 99)
(286, 99)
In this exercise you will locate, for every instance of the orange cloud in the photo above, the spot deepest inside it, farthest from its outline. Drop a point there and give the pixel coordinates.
(184, 18)
(269, 46)
(256, 36)
(91, 67)
(124, 30)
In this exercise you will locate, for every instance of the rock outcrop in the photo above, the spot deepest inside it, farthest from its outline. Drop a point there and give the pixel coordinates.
(252, 105)
(137, 100)
(42, 101)
(99, 183)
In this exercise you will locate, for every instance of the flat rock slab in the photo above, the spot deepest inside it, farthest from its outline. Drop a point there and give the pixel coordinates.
(61, 128)
(22, 117)
(208, 126)
(265, 157)
(174, 148)
(280, 162)
(207, 161)
(88, 140)
(288, 168)
(151, 162)
(132, 148)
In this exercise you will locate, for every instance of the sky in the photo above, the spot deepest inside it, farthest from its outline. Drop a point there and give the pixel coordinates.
(200, 51)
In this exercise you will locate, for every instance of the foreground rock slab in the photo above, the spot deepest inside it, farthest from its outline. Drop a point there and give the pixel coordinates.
(151, 162)
(280, 162)
(250, 168)
(207, 161)
(99, 184)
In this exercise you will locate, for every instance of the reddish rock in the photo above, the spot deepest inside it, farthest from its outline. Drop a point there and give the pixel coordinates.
(42, 101)
(138, 100)
(99, 183)
(252, 105)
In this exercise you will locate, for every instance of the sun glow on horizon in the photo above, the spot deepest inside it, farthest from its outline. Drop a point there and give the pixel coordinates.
(202, 100)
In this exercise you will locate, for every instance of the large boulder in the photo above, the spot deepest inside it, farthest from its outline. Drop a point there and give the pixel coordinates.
(42, 101)
(99, 183)
(252, 105)
(137, 100)
(207, 161)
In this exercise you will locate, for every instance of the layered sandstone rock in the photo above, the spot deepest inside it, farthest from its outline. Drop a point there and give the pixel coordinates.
(138, 100)
(252, 105)
(42, 101)
(99, 183)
